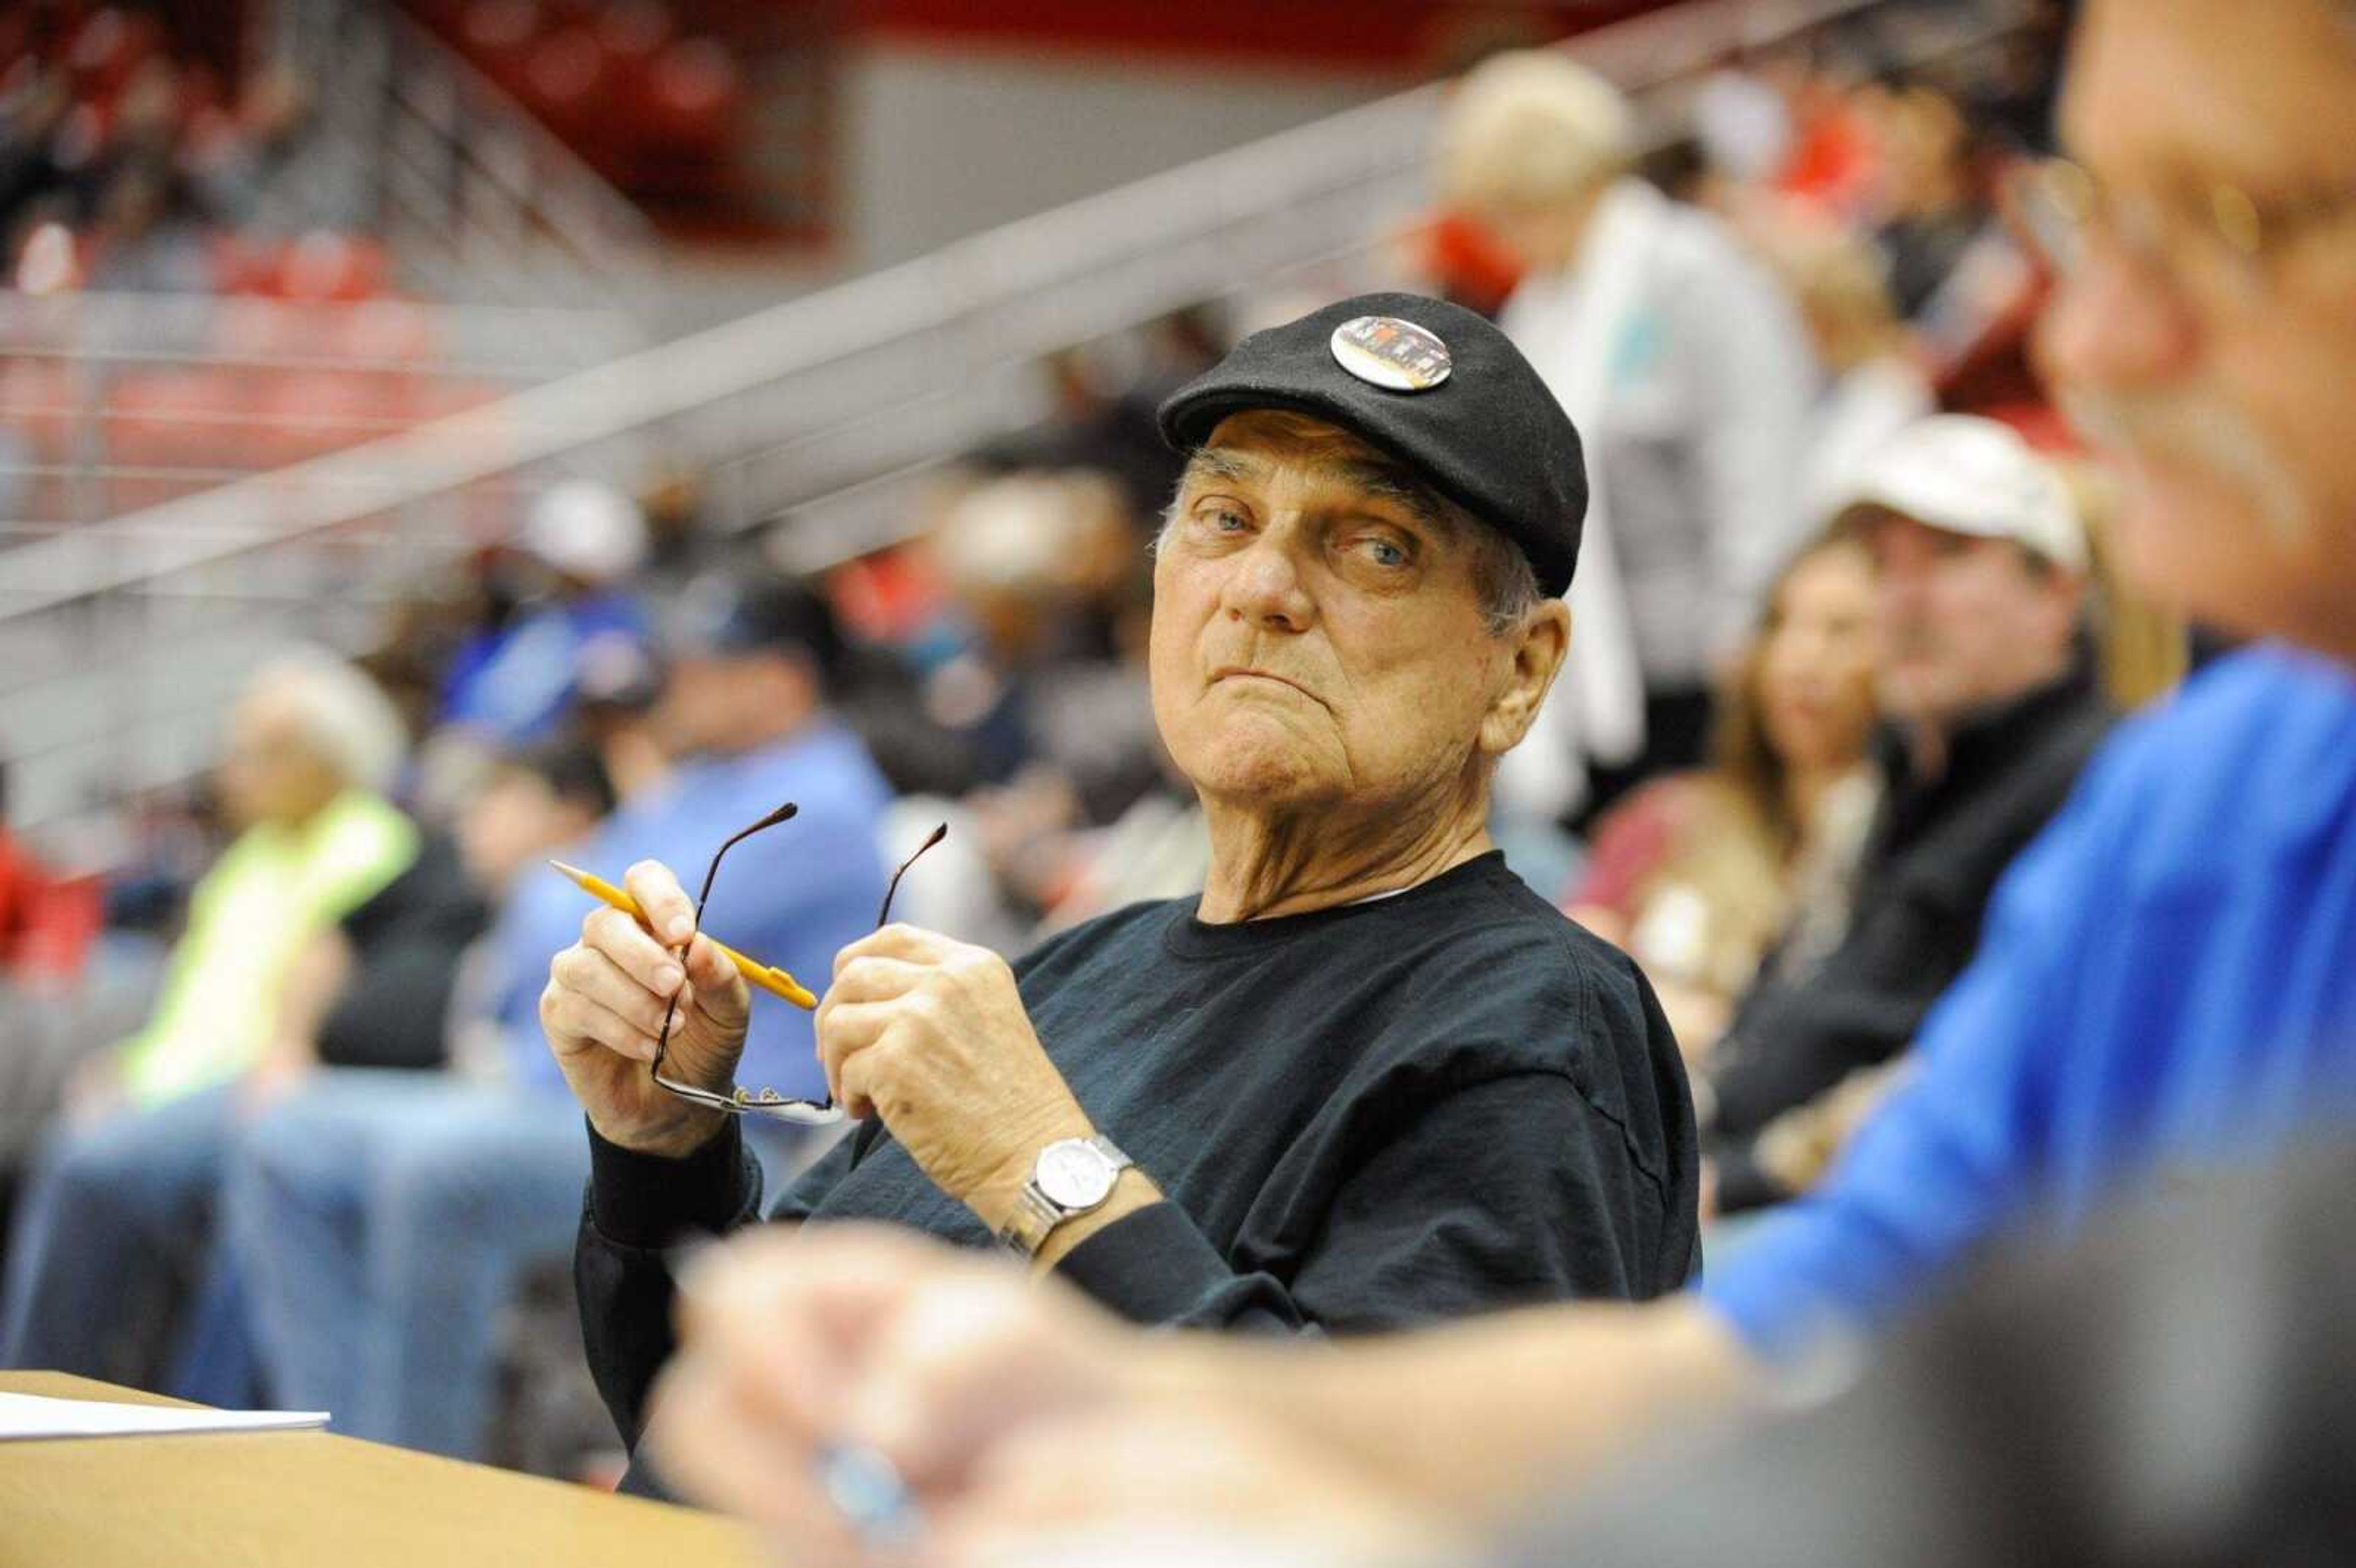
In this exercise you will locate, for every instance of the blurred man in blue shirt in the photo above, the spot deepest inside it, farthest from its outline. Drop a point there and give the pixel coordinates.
(383, 1225)
(2168, 979)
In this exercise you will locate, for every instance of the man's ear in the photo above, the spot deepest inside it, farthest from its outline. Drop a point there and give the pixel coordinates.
(1538, 651)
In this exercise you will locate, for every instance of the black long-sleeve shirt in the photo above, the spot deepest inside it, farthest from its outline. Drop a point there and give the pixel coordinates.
(1930, 866)
(1386, 1114)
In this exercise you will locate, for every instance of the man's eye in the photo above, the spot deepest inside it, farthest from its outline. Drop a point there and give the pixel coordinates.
(1382, 552)
(1222, 522)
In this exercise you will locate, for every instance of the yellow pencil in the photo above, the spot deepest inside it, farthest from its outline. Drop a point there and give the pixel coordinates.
(776, 982)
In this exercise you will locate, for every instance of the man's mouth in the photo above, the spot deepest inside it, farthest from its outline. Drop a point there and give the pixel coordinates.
(1244, 672)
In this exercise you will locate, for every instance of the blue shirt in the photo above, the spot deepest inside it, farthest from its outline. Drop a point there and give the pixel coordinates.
(2168, 977)
(793, 895)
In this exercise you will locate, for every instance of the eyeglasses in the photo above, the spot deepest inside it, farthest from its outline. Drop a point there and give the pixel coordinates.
(2220, 245)
(742, 1102)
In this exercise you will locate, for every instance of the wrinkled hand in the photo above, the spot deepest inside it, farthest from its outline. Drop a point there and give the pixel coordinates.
(791, 1343)
(931, 1035)
(604, 1006)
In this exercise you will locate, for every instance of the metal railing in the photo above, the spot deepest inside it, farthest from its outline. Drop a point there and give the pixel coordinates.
(476, 199)
(811, 407)
(119, 412)
(114, 402)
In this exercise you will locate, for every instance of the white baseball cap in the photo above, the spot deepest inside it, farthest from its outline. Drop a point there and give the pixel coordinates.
(588, 529)
(1964, 475)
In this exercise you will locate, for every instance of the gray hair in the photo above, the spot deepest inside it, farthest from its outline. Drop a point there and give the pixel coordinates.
(346, 717)
(1502, 574)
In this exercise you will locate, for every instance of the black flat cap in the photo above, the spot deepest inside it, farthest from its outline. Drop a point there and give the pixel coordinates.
(1437, 388)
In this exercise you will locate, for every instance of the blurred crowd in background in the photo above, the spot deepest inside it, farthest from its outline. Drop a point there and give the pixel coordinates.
(337, 943)
(126, 163)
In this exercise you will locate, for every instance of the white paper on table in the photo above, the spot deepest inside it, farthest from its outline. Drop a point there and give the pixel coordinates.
(33, 1415)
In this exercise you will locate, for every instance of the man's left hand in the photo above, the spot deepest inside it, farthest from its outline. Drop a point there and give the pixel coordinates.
(931, 1034)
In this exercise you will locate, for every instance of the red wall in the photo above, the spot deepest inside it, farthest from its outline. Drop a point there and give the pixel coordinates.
(1409, 35)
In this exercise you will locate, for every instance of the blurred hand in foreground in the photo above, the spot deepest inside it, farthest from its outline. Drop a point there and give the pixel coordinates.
(1178, 1485)
(1028, 1426)
(794, 1342)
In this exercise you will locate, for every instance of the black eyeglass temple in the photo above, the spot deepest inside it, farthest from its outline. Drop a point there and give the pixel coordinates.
(785, 812)
(884, 915)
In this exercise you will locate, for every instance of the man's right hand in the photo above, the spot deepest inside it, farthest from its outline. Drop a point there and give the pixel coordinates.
(603, 1009)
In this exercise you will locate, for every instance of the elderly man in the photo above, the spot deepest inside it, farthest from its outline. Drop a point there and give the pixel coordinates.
(2165, 977)
(1993, 704)
(1367, 1079)
(123, 1193)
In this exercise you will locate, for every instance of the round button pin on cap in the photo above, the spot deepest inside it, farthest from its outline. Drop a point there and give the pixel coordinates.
(1384, 351)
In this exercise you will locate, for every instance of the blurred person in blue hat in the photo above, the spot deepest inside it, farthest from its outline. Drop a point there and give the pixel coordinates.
(579, 547)
(1367, 1078)
(383, 1225)
(2163, 986)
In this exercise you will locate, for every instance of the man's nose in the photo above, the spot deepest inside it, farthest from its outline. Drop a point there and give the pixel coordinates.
(2113, 322)
(1902, 585)
(1266, 586)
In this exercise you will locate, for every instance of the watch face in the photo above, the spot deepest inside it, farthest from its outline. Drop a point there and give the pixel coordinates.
(1075, 1174)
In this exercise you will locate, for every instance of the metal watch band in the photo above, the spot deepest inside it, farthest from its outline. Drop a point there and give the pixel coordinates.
(1036, 1214)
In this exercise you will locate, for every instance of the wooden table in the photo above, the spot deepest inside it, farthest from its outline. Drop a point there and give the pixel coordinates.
(271, 1498)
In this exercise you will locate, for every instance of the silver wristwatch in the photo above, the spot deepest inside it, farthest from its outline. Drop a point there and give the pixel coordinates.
(1071, 1176)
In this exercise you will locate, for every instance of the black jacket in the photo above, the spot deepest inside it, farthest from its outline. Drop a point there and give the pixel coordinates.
(1930, 865)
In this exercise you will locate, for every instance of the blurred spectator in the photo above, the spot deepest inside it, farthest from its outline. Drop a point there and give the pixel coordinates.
(2079, 1385)
(1932, 201)
(51, 994)
(580, 543)
(34, 103)
(137, 165)
(1742, 124)
(146, 239)
(1694, 875)
(383, 1224)
(237, 161)
(123, 1190)
(400, 1183)
(1044, 570)
(1831, 158)
(617, 691)
(1986, 677)
(1106, 394)
(1872, 388)
(45, 920)
(679, 546)
(1684, 368)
